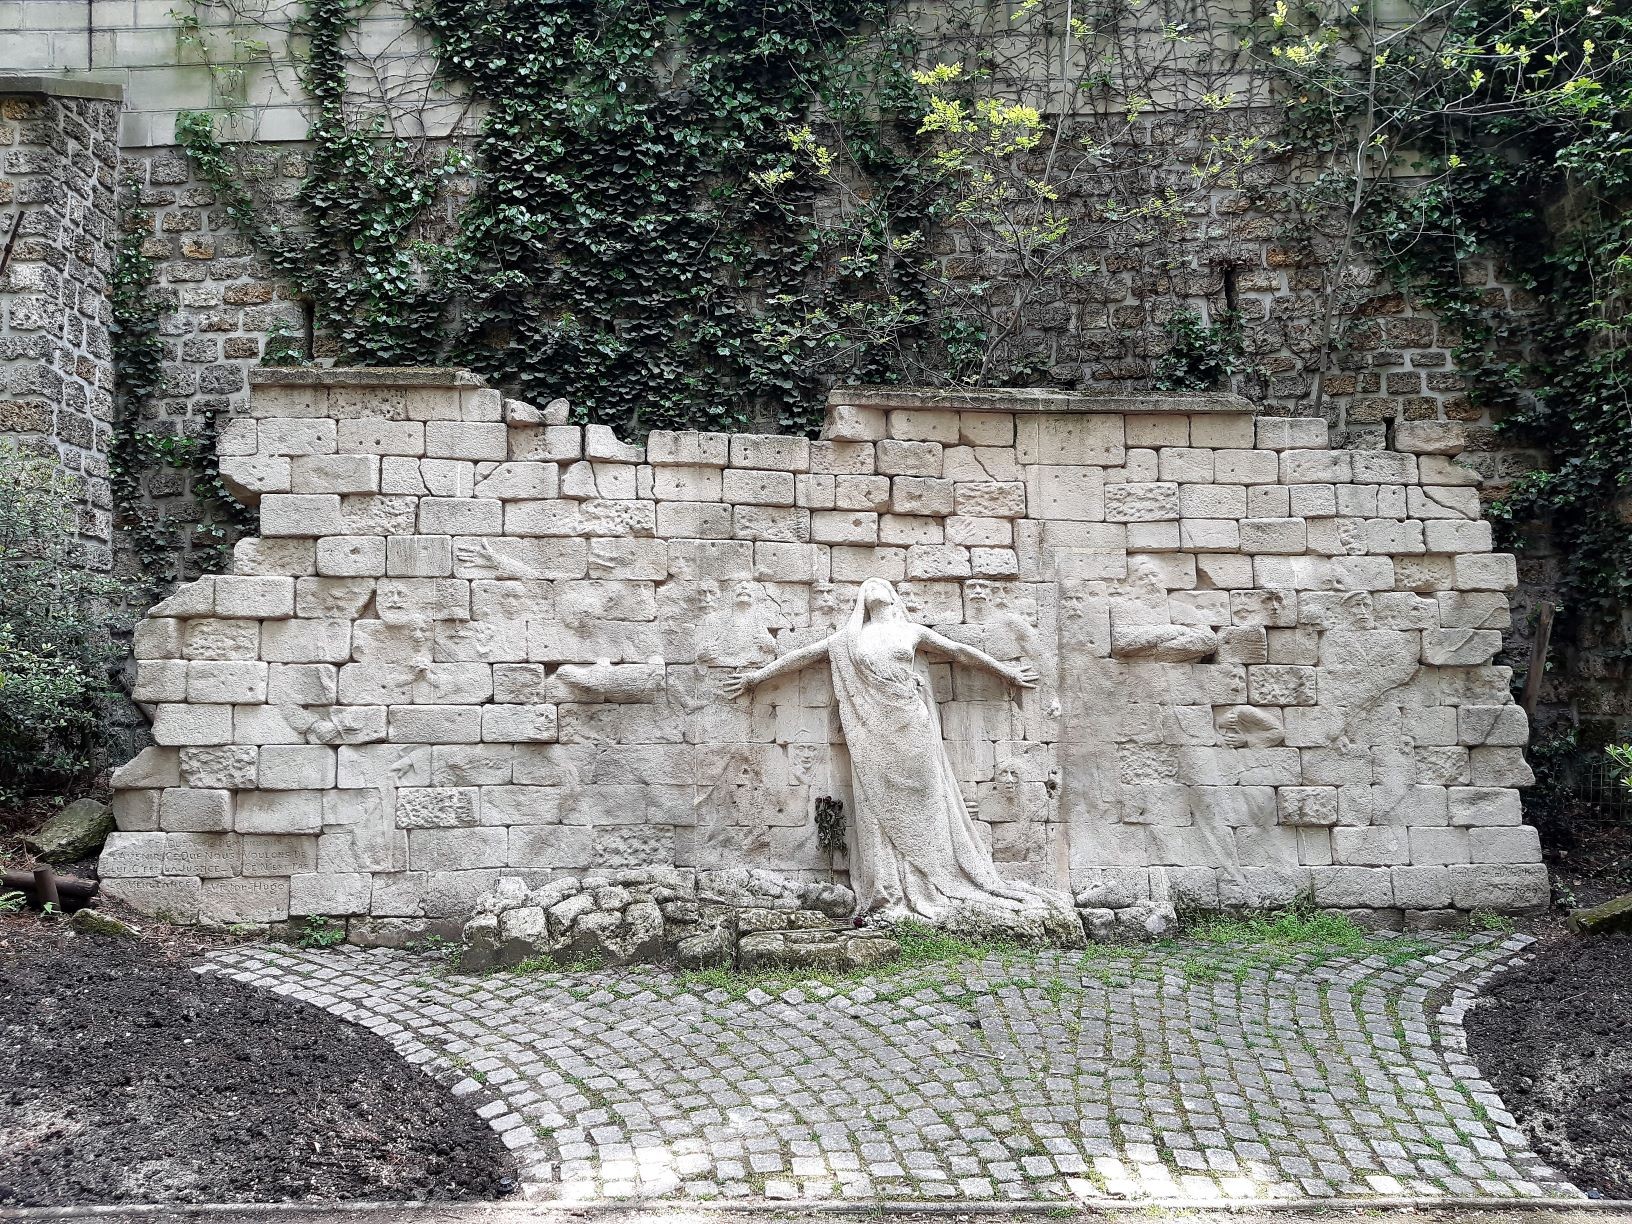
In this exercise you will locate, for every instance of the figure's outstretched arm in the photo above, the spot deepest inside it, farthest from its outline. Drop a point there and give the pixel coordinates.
(1021, 673)
(793, 661)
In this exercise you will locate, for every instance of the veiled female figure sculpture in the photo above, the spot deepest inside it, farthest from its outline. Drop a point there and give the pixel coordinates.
(917, 852)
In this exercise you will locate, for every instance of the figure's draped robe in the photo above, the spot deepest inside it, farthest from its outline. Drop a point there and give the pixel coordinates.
(916, 844)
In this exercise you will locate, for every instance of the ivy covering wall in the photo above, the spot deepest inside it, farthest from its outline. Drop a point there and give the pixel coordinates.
(703, 213)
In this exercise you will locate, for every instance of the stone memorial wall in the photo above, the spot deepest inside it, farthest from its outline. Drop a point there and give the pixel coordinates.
(1177, 651)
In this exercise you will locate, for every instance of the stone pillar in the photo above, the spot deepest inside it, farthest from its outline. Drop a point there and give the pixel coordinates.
(59, 162)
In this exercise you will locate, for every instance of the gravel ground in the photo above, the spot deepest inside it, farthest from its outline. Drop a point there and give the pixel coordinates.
(1554, 1035)
(127, 1078)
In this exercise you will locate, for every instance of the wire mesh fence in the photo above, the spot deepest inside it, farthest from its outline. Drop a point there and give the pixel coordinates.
(1583, 811)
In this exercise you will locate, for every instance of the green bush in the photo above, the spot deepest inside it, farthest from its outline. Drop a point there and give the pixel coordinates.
(55, 649)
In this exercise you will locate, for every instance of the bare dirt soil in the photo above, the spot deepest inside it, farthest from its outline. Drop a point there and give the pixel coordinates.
(1554, 1036)
(127, 1078)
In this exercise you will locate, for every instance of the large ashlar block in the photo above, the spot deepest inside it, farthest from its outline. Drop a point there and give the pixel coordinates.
(472, 638)
(301, 514)
(897, 458)
(669, 448)
(247, 899)
(280, 557)
(284, 436)
(250, 477)
(277, 855)
(1290, 433)
(266, 596)
(842, 458)
(1095, 440)
(335, 474)
(379, 437)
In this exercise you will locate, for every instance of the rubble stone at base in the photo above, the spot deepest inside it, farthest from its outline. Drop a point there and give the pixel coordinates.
(79, 829)
(711, 920)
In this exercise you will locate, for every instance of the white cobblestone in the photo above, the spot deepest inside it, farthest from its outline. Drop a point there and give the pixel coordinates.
(1186, 1070)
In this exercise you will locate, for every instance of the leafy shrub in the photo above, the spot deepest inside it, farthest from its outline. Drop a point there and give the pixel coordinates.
(1620, 756)
(1203, 355)
(321, 932)
(55, 650)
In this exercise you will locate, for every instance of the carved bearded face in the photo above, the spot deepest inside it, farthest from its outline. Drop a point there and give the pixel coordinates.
(1145, 577)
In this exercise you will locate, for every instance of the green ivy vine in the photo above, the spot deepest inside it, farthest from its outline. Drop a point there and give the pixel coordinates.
(1509, 124)
(621, 248)
(134, 453)
(1548, 193)
(1203, 355)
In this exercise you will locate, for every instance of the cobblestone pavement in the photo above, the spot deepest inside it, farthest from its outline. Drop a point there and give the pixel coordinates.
(1181, 1071)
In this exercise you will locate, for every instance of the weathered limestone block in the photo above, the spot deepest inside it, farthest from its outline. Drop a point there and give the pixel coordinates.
(816, 950)
(1606, 919)
(1163, 643)
(79, 829)
(711, 948)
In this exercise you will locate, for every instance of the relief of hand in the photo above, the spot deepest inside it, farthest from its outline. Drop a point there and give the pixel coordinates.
(1022, 674)
(735, 685)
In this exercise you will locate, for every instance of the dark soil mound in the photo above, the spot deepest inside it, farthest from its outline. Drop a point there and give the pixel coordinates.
(1555, 1038)
(125, 1077)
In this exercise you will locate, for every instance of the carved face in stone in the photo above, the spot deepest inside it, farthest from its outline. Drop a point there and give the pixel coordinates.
(391, 602)
(802, 760)
(1145, 578)
(878, 597)
(708, 597)
(743, 595)
(510, 600)
(474, 636)
(827, 597)
(912, 599)
(1359, 610)
(1073, 602)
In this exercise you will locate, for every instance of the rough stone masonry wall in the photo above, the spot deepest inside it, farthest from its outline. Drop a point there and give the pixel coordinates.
(473, 640)
(59, 162)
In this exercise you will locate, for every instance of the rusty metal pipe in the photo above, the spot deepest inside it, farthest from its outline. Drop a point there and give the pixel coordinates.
(45, 887)
(28, 881)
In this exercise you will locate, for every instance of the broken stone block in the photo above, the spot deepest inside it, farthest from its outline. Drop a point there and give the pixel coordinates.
(1606, 919)
(480, 948)
(819, 950)
(76, 831)
(630, 937)
(95, 922)
(712, 948)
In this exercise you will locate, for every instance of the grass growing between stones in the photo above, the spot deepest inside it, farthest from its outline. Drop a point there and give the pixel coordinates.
(923, 948)
(1300, 933)
(1208, 947)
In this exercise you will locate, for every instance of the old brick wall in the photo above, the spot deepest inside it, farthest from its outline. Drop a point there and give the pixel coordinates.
(58, 168)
